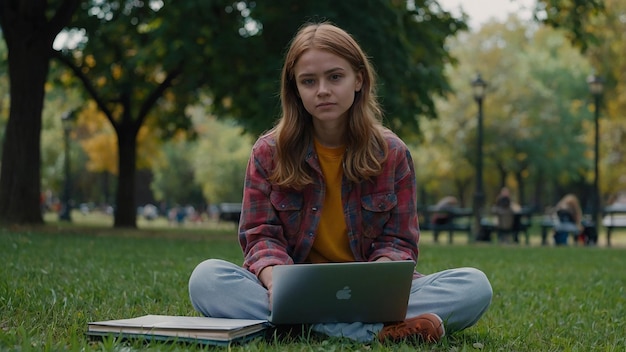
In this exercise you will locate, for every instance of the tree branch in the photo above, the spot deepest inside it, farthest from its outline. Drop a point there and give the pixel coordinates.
(157, 93)
(62, 17)
(87, 84)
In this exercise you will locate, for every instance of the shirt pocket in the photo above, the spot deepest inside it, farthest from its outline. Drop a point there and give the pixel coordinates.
(288, 206)
(376, 210)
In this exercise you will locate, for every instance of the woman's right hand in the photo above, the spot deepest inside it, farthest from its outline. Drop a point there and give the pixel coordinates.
(266, 279)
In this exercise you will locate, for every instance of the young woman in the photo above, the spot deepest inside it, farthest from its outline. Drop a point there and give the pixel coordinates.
(330, 184)
(568, 217)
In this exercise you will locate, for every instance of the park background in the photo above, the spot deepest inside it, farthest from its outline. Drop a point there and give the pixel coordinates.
(153, 109)
(112, 105)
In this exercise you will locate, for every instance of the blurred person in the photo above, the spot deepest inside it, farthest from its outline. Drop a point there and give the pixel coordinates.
(443, 217)
(506, 212)
(568, 217)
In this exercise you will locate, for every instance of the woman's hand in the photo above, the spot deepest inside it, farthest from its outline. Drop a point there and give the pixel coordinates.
(266, 279)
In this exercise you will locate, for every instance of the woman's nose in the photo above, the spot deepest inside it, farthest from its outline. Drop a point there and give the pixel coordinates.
(323, 88)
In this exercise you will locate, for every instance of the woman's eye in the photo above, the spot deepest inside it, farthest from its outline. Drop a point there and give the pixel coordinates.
(335, 77)
(307, 82)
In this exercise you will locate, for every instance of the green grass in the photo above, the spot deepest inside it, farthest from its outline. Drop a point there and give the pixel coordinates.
(55, 279)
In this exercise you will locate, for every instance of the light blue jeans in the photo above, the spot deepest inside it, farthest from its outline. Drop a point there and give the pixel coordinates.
(218, 288)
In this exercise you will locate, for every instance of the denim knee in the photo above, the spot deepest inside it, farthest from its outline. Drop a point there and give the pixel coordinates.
(202, 282)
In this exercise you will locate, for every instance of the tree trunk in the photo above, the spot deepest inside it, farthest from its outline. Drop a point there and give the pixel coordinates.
(125, 210)
(20, 188)
(29, 38)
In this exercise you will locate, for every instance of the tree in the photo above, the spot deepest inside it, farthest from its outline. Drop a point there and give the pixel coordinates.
(220, 158)
(143, 62)
(174, 181)
(29, 29)
(58, 101)
(208, 169)
(406, 46)
(596, 27)
(158, 60)
(533, 121)
(607, 57)
(443, 166)
(573, 16)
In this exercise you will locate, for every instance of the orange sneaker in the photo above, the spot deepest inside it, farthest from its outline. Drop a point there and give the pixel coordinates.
(427, 327)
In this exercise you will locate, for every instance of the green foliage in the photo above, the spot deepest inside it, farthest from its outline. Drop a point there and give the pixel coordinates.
(406, 46)
(210, 168)
(220, 158)
(54, 282)
(535, 125)
(607, 57)
(574, 16)
(557, 119)
(146, 61)
(143, 62)
(133, 53)
(58, 101)
(174, 178)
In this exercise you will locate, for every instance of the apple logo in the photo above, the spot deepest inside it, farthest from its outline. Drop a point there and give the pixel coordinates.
(344, 293)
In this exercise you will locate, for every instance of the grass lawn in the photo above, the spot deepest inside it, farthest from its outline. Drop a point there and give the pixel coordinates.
(56, 278)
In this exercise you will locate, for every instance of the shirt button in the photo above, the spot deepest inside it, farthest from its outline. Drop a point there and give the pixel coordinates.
(314, 208)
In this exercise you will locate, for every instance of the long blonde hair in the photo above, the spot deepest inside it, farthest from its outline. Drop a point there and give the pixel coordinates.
(570, 203)
(366, 146)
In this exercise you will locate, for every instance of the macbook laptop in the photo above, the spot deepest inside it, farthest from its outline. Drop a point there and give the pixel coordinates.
(341, 292)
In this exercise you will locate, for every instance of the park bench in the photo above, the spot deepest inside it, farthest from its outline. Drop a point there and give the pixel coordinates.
(522, 221)
(548, 224)
(614, 217)
(229, 212)
(459, 221)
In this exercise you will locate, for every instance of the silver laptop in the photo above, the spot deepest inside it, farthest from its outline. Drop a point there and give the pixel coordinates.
(341, 292)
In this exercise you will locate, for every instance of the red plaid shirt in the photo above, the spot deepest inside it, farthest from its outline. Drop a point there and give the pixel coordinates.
(278, 225)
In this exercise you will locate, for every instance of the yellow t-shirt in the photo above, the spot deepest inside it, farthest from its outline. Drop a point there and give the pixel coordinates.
(331, 242)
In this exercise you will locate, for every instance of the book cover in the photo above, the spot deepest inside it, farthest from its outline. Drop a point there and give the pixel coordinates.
(215, 331)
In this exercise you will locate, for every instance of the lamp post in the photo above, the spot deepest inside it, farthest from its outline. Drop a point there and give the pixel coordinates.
(66, 207)
(479, 86)
(596, 87)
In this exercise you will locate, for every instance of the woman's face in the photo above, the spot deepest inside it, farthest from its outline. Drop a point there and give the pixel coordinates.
(326, 84)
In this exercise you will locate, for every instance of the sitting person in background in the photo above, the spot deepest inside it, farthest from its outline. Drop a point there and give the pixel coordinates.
(504, 209)
(443, 217)
(568, 217)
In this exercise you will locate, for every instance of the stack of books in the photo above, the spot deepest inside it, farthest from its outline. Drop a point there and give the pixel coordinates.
(210, 331)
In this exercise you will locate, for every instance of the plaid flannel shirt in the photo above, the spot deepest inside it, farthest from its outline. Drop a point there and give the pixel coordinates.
(278, 225)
